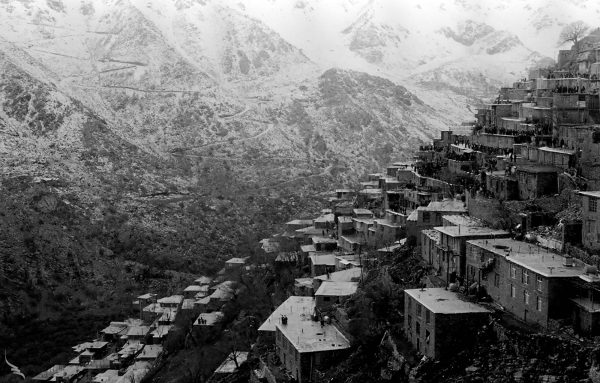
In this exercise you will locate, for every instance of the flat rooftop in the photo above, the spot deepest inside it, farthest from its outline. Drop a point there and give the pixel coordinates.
(391, 248)
(196, 288)
(325, 218)
(336, 289)
(349, 275)
(462, 220)
(236, 261)
(295, 308)
(309, 336)
(470, 231)
(173, 299)
(320, 239)
(362, 212)
(531, 257)
(557, 150)
(442, 301)
(229, 365)
(150, 351)
(445, 205)
(308, 248)
(208, 319)
(536, 169)
(298, 222)
(594, 193)
(432, 234)
(344, 219)
(203, 280)
(322, 259)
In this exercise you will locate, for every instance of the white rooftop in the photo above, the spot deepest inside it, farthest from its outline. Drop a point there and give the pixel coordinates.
(150, 351)
(442, 301)
(322, 259)
(336, 289)
(310, 336)
(209, 318)
(531, 257)
(348, 275)
(470, 231)
(445, 205)
(462, 220)
(229, 365)
(173, 299)
(203, 280)
(295, 308)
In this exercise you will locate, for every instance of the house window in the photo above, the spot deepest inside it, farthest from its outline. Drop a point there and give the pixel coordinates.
(418, 328)
(538, 304)
(593, 204)
(525, 277)
(409, 322)
(496, 280)
(418, 310)
(427, 335)
(425, 216)
(513, 271)
(526, 297)
(513, 291)
(427, 316)
(539, 283)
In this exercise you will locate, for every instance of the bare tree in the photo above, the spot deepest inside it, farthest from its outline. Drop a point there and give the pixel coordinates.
(573, 32)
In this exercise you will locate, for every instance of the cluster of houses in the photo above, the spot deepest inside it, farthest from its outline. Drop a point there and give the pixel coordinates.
(126, 351)
(539, 138)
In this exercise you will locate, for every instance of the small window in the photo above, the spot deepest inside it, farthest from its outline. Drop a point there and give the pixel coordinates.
(326, 299)
(525, 277)
(418, 310)
(593, 204)
(426, 216)
(427, 316)
(427, 336)
(496, 280)
(409, 303)
(526, 297)
(539, 283)
(538, 304)
(409, 322)
(513, 271)
(418, 328)
(513, 291)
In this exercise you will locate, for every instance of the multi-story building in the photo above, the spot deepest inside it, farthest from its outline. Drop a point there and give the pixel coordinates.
(527, 280)
(438, 322)
(306, 345)
(591, 219)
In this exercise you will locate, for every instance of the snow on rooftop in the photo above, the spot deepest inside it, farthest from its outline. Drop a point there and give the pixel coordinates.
(532, 257)
(470, 231)
(173, 299)
(208, 319)
(336, 289)
(310, 336)
(349, 275)
(322, 259)
(295, 308)
(442, 301)
(229, 365)
(445, 205)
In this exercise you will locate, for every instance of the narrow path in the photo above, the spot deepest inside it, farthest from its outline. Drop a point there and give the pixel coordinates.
(269, 128)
